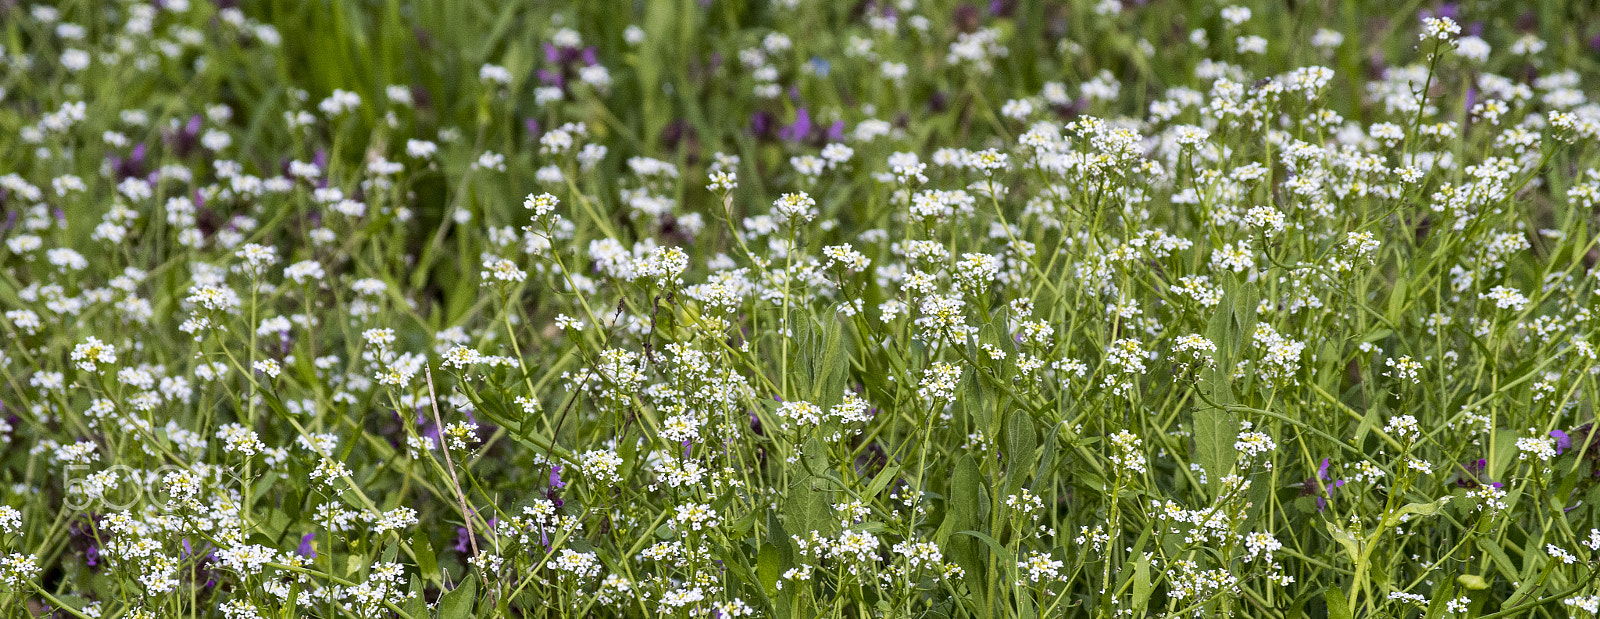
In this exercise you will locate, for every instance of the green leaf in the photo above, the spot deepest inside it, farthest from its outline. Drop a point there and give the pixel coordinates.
(1397, 300)
(457, 604)
(1473, 582)
(881, 481)
(1527, 590)
(808, 507)
(415, 605)
(427, 564)
(1440, 599)
(1338, 607)
(1215, 432)
(1047, 460)
(1021, 441)
(833, 368)
(740, 577)
(1420, 509)
(769, 565)
(994, 545)
(1245, 304)
(1498, 557)
(779, 540)
(968, 509)
(1142, 587)
(1352, 546)
(978, 400)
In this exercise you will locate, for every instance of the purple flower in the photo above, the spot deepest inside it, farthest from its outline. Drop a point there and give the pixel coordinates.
(966, 18)
(84, 535)
(552, 78)
(1472, 472)
(555, 477)
(1563, 442)
(1326, 489)
(1004, 8)
(187, 139)
(305, 549)
(131, 167)
(564, 58)
(799, 129)
(761, 124)
(1448, 9)
(426, 429)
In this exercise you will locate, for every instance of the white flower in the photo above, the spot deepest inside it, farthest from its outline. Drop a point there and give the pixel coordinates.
(91, 353)
(269, 367)
(1506, 298)
(795, 206)
(1439, 28)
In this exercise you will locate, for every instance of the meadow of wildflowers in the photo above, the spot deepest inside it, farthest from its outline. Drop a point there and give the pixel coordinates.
(438, 309)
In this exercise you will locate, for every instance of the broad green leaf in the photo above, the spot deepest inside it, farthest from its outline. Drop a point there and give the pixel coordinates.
(808, 507)
(1021, 442)
(1397, 299)
(1215, 433)
(833, 367)
(1142, 587)
(769, 566)
(1352, 546)
(457, 604)
(999, 549)
(427, 565)
(1424, 509)
(968, 509)
(1047, 461)
(1245, 304)
(882, 480)
(415, 605)
(1440, 598)
(1338, 606)
(1473, 582)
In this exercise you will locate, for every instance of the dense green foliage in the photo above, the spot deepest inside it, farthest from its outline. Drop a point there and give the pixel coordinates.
(907, 308)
